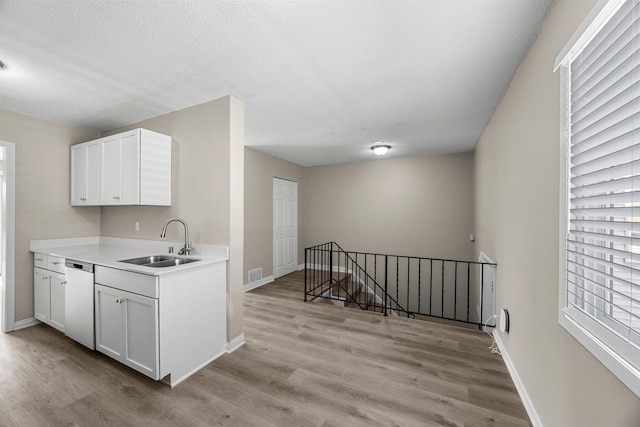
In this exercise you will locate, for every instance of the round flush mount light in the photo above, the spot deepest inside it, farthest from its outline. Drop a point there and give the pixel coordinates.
(380, 149)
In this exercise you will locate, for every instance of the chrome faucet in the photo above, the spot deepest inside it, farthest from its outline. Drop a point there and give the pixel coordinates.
(186, 250)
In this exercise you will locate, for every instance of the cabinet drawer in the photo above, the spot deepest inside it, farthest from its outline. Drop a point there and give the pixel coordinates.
(127, 281)
(39, 260)
(55, 263)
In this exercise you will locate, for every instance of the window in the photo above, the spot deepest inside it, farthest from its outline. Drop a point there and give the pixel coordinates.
(600, 200)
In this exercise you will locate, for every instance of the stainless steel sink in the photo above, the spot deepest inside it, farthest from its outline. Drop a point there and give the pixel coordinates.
(159, 261)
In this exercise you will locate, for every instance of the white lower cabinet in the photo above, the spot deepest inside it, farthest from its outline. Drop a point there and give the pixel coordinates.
(41, 294)
(165, 326)
(48, 291)
(57, 283)
(127, 328)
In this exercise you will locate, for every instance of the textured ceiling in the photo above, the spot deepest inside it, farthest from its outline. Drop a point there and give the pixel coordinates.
(321, 80)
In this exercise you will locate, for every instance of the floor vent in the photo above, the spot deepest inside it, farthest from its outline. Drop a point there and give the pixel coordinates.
(255, 275)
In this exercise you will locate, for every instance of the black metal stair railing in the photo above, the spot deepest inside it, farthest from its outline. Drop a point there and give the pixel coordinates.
(332, 273)
(404, 285)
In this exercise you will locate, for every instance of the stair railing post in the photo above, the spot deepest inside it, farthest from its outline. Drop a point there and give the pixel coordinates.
(305, 275)
(331, 264)
(386, 293)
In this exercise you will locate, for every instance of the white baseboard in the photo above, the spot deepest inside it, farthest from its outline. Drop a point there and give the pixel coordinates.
(235, 343)
(300, 267)
(25, 323)
(250, 286)
(175, 382)
(526, 400)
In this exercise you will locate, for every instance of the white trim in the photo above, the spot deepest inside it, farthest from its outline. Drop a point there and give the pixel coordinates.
(172, 383)
(563, 221)
(300, 266)
(26, 323)
(160, 246)
(485, 258)
(235, 343)
(524, 396)
(7, 323)
(620, 367)
(40, 244)
(251, 286)
(596, 19)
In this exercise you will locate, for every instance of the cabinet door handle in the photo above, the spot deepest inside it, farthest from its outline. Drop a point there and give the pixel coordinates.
(63, 283)
(58, 262)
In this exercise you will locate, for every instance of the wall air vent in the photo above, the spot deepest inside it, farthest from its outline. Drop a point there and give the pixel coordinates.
(255, 275)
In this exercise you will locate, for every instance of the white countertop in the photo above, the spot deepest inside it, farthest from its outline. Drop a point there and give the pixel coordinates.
(108, 251)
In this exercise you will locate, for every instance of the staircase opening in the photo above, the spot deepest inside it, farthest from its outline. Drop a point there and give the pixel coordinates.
(415, 287)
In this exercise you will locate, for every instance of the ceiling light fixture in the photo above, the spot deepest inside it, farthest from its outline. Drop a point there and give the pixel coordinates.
(380, 149)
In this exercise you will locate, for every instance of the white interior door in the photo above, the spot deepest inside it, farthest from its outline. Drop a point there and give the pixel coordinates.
(285, 227)
(488, 290)
(7, 236)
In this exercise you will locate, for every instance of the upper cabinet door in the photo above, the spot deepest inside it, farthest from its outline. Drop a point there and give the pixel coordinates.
(85, 174)
(78, 174)
(93, 172)
(121, 169)
(130, 168)
(110, 170)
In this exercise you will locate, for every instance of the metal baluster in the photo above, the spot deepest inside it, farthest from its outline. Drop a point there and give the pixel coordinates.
(481, 296)
(386, 279)
(431, 288)
(455, 292)
(468, 288)
(442, 294)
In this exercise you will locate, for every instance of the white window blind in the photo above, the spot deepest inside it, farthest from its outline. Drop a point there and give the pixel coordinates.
(602, 289)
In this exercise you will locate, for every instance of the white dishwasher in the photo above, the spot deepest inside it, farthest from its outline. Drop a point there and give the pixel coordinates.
(79, 301)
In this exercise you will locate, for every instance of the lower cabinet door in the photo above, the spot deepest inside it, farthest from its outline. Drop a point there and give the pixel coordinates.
(141, 334)
(127, 329)
(109, 321)
(57, 300)
(41, 294)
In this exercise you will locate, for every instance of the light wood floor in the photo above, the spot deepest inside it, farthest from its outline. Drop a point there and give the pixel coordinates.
(303, 364)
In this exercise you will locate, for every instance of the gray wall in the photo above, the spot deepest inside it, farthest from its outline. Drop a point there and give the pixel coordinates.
(42, 192)
(413, 206)
(207, 187)
(517, 191)
(421, 206)
(260, 169)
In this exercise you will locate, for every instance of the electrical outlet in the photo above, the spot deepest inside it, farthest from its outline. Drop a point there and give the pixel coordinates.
(504, 320)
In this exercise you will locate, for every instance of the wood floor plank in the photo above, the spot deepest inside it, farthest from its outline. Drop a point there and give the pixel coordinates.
(303, 364)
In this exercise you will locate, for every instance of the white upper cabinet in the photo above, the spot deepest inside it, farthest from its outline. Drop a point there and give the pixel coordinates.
(134, 169)
(86, 173)
(121, 169)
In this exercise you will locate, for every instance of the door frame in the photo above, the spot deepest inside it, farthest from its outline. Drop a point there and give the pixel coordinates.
(273, 223)
(8, 239)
